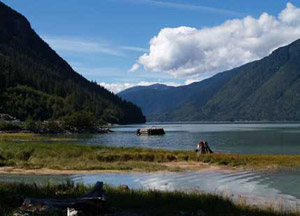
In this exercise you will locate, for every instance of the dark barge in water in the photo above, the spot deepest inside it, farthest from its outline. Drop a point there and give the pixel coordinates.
(150, 131)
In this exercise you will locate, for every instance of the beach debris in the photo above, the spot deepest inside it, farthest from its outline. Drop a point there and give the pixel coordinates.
(104, 130)
(73, 212)
(203, 148)
(150, 131)
(91, 204)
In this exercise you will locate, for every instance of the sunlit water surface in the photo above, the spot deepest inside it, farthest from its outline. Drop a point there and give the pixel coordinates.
(229, 138)
(280, 189)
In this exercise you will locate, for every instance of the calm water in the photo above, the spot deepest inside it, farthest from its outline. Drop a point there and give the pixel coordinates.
(230, 138)
(280, 188)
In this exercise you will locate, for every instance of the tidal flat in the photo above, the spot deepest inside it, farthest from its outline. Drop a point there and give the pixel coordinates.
(30, 153)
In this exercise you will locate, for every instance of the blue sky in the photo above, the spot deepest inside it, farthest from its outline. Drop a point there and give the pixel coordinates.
(103, 39)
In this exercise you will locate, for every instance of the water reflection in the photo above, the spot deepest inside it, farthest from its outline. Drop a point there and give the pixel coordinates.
(259, 188)
(228, 138)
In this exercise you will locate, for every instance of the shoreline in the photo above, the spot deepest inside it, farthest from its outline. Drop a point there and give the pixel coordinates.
(181, 166)
(35, 156)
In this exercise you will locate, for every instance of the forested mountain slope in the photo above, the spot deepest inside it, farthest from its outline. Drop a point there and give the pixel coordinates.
(264, 90)
(36, 83)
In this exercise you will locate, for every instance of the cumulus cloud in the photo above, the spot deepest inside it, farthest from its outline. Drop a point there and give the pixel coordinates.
(118, 87)
(200, 53)
(291, 15)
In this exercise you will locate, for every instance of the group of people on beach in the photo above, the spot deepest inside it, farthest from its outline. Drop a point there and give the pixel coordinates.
(203, 148)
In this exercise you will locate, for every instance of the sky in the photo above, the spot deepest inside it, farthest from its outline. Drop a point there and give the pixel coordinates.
(124, 43)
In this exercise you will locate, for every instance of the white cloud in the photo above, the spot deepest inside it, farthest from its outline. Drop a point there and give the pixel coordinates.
(133, 48)
(200, 53)
(80, 46)
(190, 7)
(189, 81)
(134, 68)
(118, 87)
(70, 44)
(291, 15)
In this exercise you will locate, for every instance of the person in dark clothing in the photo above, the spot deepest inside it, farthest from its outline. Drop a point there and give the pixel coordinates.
(203, 148)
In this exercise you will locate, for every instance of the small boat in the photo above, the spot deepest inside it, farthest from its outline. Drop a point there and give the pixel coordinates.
(150, 131)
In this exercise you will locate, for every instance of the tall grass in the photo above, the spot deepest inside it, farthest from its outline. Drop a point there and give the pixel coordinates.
(149, 202)
(32, 137)
(34, 155)
(12, 194)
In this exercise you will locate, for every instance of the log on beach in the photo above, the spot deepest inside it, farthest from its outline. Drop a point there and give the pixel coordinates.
(91, 204)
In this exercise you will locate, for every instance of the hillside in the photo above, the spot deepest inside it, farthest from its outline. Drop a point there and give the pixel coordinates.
(140, 88)
(176, 103)
(36, 83)
(264, 90)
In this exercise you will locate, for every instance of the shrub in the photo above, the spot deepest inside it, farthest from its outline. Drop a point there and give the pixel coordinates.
(7, 126)
(80, 120)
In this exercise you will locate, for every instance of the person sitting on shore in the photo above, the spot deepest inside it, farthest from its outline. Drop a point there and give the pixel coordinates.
(203, 148)
(208, 149)
(138, 132)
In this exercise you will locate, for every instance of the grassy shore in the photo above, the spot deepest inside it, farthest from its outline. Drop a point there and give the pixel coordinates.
(35, 154)
(29, 151)
(121, 201)
(32, 137)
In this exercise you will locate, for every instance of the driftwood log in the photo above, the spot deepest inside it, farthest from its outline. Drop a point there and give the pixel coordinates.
(91, 204)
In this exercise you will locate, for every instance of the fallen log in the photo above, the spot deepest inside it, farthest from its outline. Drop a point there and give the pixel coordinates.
(91, 204)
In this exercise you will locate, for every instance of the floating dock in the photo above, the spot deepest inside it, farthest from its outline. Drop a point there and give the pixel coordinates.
(150, 131)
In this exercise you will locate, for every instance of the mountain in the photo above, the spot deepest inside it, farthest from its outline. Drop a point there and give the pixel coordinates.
(263, 90)
(139, 88)
(175, 103)
(36, 83)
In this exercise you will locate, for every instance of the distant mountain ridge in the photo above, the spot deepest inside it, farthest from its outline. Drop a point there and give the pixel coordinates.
(38, 84)
(263, 90)
(139, 88)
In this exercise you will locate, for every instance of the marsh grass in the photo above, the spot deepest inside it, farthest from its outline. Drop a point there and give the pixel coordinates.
(13, 194)
(32, 137)
(172, 202)
(60, 156)
(149, 202)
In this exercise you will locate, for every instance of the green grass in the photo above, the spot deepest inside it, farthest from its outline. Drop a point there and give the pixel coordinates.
(53, 155)
(32, 137)
(149, 202)
(34, 154)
